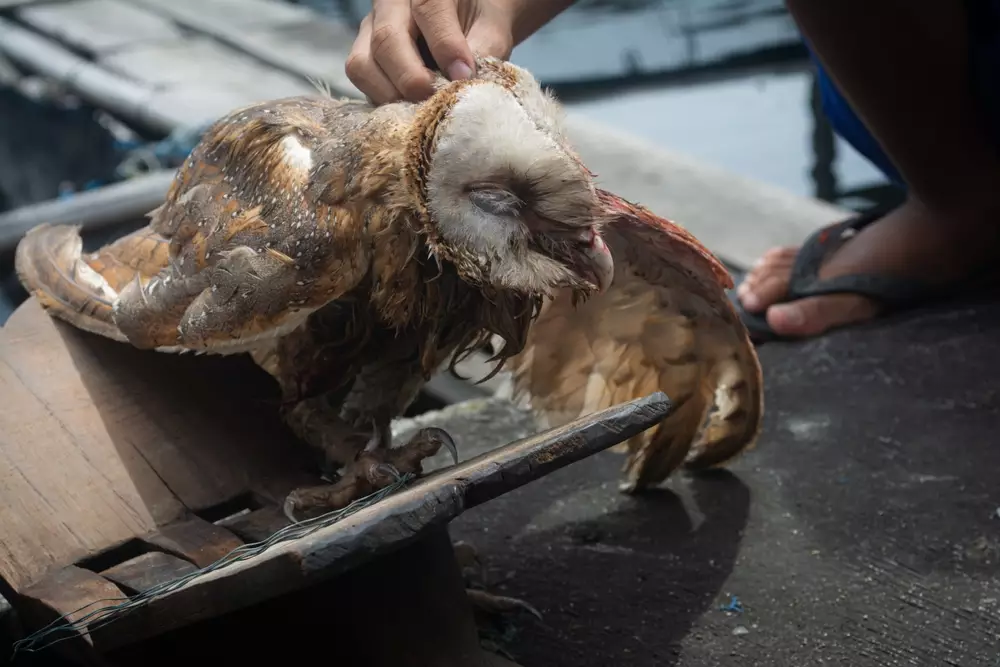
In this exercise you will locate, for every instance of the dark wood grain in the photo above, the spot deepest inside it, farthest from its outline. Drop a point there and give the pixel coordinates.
(142, 439)
(144, 572)
(72, 592)
(383, 528)
(195, 540)
(257, 525)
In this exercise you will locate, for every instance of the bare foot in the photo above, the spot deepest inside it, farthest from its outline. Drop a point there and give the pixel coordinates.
(908, 242)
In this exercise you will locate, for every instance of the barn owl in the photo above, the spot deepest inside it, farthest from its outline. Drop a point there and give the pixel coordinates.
(351, 250)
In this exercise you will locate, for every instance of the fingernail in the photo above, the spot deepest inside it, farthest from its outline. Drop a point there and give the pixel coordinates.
(459, 70)
(792, 315)
(750, 301)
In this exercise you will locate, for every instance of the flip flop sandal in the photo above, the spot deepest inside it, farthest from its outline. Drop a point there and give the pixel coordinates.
(892, 292)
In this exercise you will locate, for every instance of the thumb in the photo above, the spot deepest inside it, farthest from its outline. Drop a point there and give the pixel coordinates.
(438, 22)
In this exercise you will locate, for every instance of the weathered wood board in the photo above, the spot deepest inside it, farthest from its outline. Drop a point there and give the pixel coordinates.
(238, 14)
(99, 26)
(93, 456)
(10, 4)
(290, 38)
(121, 469)
(181, 62)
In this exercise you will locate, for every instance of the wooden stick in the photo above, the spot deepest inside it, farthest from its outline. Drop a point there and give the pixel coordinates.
(112, 204)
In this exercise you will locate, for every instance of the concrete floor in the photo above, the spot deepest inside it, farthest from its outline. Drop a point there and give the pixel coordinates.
(864, 530)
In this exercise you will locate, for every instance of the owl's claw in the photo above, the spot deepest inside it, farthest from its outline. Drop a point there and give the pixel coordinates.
(372, 470)
(382, 470)
(446, 441)
(495, 615)
(499, 604)
(288, 508)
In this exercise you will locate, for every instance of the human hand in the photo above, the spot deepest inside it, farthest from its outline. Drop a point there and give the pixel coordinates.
(385, 63)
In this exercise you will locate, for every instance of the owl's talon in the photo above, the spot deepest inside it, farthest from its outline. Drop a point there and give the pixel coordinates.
(384, 470)
(499, 604)
(434, 437)
(288, 508)
(449, 443)
(381, 437)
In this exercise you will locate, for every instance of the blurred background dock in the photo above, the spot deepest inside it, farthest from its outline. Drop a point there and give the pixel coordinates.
(101, 99)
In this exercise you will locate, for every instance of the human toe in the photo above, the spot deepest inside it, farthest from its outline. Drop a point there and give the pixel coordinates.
(816, 315)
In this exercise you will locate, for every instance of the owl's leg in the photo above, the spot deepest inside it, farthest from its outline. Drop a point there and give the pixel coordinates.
(374, 468)
(380, 392)
(318, 421)
(492, 612)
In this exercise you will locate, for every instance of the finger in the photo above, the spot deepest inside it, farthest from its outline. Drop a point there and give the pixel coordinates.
(394, 49)
(364, 72)
(439, 24)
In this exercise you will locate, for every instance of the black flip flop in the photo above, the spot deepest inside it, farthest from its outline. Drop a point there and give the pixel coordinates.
(893, 293)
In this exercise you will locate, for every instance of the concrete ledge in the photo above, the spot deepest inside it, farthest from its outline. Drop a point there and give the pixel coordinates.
(735, 217)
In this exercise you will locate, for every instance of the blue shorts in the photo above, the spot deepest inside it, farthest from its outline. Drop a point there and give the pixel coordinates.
(984, 44)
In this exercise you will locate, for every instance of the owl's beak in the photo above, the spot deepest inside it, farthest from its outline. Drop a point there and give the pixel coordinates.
(600, 259)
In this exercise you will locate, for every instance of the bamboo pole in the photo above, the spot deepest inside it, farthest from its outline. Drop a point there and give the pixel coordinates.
(92, 83)
(93, 209)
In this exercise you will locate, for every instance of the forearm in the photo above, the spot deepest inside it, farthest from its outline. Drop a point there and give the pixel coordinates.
(530, 15)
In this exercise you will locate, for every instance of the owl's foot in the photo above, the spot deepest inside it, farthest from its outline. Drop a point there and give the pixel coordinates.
(499, 605)
(374, 468)
(486, 605)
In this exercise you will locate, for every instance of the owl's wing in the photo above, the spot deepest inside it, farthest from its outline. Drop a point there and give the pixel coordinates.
(249, 241)
(665, 324)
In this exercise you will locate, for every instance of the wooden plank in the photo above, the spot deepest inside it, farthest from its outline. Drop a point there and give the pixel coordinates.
(182, 62)
(317, 49)
(71, 592)
(142, 573)
(135, 434)
(238, 14)
(292, 38)
(386, 526)
(195, 540)
(90, 82)
(195, 103)
(11, 4)
(93, 497)
(187, 415)
(99, 26)
(36, 53)
(256, 526)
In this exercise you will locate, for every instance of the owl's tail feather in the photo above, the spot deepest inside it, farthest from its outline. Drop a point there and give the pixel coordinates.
(82, 288)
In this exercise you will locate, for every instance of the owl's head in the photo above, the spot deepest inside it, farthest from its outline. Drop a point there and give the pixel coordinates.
(506, 199)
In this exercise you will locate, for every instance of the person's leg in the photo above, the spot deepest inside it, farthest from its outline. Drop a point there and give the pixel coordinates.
(904, 69)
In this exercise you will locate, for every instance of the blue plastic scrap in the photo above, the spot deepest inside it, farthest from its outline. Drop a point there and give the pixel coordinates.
(734, 606)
